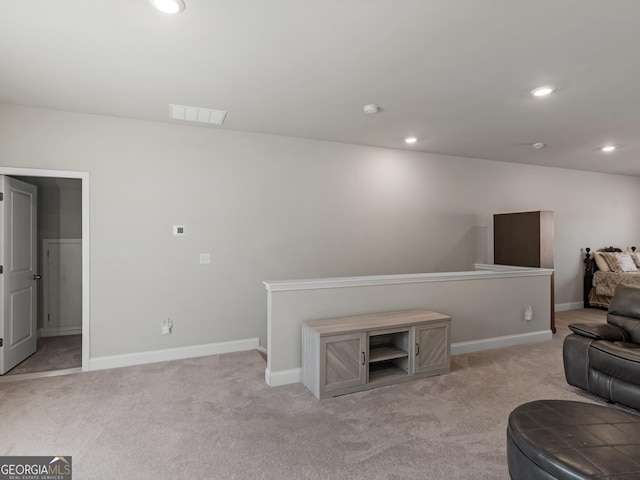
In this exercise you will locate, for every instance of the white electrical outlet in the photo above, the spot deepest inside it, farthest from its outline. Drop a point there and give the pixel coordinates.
(528, 313)
(166, 326)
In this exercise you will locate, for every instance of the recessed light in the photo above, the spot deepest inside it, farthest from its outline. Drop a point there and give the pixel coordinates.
(168, 6)
(410, 140)
(542, 91)
(371, 108)
(608, 148)
(538, 145)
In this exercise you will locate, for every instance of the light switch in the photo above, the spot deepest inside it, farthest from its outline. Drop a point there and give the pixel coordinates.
(205, 258)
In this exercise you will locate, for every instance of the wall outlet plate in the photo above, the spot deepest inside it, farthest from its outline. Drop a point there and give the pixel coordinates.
(180, 230)
(528, 313)
(166, 326)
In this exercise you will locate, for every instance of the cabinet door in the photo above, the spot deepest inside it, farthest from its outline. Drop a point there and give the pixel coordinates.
(432, 347)
(342, 362)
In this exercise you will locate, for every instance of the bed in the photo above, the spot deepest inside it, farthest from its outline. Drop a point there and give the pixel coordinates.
(606, 268)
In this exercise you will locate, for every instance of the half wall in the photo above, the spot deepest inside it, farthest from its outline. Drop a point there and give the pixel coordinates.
(486, 305)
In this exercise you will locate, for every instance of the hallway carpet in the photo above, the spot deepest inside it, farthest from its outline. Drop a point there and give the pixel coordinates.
(54, 353)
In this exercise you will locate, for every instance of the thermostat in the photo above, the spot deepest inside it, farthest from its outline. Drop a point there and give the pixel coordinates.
(179, 230)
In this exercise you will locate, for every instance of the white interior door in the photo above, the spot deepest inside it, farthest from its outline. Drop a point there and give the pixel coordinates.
(18, 285)
(62, 287)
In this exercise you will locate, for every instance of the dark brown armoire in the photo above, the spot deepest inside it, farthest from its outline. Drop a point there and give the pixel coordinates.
(525, 239)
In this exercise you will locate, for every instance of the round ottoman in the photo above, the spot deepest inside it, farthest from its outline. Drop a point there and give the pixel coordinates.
(561, 439)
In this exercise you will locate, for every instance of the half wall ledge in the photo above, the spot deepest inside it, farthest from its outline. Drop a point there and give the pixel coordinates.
(487, 307)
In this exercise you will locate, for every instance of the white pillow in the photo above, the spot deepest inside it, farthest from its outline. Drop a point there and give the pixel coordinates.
(626, 262)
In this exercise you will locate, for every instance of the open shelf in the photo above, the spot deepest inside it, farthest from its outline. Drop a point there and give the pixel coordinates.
(388, 345)
(382, 371)
(380, 353)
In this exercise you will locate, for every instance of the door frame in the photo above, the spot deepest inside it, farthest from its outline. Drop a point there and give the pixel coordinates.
(84, 177)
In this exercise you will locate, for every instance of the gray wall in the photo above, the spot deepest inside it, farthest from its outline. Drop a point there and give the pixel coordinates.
(60, 209)
(270, 208)
(59, 206)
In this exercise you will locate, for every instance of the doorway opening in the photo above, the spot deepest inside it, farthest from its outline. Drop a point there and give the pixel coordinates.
(63, 265)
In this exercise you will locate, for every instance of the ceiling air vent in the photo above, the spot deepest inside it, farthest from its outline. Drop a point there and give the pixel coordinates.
(196, 114)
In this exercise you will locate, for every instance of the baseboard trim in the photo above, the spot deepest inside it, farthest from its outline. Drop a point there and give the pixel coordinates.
(294, 375)
(60, 332)
(561, 307)
(31, 376)
(130, 359)
(283, 377)
(500, 342)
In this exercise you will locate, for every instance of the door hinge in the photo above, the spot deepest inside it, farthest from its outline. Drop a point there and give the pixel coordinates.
(1, 269)
(1, 196)
(1, 342)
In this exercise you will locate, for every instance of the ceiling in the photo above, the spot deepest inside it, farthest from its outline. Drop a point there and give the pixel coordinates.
(457, 74)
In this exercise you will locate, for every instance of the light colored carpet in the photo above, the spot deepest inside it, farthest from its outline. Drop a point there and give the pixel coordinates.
(215, 418)
(53, 353)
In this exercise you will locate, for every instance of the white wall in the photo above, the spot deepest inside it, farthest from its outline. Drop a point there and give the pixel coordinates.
(271, 208)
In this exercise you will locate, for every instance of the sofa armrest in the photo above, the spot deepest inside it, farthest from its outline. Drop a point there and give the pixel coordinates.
(600, 331)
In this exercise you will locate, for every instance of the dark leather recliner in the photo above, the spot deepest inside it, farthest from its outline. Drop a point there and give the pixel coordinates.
(604, 358)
